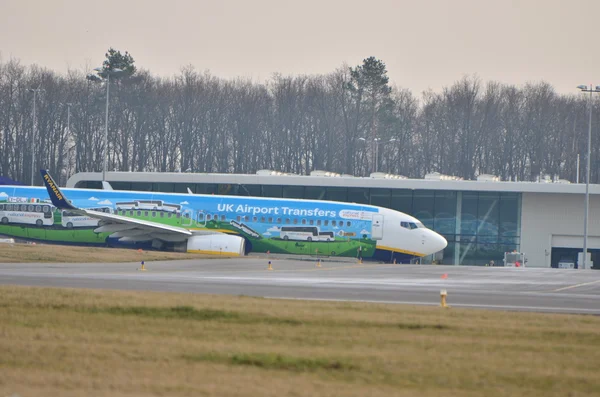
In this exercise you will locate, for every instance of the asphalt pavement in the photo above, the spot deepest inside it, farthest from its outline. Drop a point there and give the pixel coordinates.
(523, 289)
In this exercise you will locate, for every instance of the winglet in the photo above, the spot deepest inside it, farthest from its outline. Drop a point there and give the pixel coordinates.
(56, 196)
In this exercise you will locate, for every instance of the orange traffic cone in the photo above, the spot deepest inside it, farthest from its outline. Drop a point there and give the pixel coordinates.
(445, 276)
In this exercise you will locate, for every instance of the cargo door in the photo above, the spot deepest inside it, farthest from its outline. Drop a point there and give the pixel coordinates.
(377, 227)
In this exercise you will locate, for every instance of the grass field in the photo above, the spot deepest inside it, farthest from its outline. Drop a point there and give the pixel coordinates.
(23, 253)
(104, 343)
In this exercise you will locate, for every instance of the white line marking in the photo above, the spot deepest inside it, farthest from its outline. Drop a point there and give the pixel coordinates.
(576, 286)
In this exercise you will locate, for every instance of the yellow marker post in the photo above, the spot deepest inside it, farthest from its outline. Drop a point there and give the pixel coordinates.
(443, 295)
(319, 262)
(270, 266)
(142, 268)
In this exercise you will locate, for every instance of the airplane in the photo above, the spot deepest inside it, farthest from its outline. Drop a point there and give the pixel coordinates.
(214, 224)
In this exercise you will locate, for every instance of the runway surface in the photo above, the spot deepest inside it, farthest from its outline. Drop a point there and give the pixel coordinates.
(529, 289)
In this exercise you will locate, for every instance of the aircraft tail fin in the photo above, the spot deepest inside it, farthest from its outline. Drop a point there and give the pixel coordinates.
(56, 196)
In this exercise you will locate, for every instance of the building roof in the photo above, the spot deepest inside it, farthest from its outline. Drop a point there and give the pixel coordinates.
(336, 180)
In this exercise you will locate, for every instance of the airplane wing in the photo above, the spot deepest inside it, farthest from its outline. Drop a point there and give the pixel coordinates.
(135, 223)
(128, 226)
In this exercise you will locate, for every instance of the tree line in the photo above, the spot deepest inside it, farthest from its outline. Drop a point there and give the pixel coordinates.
(350, 121)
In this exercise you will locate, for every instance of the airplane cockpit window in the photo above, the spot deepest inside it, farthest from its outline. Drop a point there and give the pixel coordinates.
(421, 226)
(405, 225)
(413, 225)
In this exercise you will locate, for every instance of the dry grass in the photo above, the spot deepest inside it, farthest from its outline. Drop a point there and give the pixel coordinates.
(26, 253)
(72, 342)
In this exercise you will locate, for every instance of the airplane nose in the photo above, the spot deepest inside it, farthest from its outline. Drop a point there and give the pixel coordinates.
(436, 242)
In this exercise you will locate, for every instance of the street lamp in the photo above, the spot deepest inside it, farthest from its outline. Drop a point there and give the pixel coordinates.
(376, 142)
(99, 77)
(68, 105)
(33, 131)
(591, 90)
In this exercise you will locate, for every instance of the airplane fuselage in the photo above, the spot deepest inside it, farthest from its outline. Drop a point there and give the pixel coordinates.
(273, 225)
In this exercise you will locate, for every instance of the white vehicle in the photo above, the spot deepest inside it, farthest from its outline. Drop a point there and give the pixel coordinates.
(31, 214)
(149, 205)
(301, 233)
(566, 263)
(326, 236)
(71, 219)
(129, 205)
(175, 208)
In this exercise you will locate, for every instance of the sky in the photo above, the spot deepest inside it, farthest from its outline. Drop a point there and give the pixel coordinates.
(425, 44)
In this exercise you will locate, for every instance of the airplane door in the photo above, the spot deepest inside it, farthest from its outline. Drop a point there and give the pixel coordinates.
(186, 218)
(377, 227)
(201, 218)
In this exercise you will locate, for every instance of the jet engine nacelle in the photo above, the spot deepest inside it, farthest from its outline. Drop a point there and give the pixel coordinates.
(216, 244)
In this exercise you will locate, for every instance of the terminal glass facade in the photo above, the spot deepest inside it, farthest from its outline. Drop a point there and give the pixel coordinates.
(479, 226)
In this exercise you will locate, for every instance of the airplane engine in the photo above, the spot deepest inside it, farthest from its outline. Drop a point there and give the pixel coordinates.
(216, 244)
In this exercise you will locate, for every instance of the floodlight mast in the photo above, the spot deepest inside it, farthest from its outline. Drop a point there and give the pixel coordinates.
(591, 90)
(108, 73)
(33, 131)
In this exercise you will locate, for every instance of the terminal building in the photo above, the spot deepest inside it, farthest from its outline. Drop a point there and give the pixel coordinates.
(481, 219)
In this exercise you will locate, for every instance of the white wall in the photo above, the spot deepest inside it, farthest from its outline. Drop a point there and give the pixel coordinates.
(544, 215)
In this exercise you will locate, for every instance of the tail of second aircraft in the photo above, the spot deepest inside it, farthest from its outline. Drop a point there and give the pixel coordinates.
(56, 196)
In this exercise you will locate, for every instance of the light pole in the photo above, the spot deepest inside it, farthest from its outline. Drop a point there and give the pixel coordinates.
(68, 117)
(33, 131)
(68, 105)
(376, 142)
(591, 90)
(98, 76)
